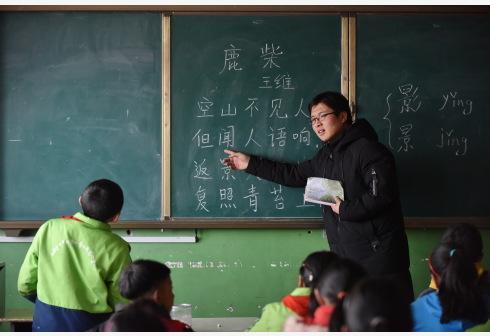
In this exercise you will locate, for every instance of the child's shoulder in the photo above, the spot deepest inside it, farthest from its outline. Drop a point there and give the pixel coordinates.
(429, 302)
(113, 240)
(117, 239)
(52, 224)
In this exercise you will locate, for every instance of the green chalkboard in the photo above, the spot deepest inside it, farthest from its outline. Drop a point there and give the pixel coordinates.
(244, 83)
(424, 81)
(80, 100)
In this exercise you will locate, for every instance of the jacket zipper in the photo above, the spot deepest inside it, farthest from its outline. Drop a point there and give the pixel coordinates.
(374, 183)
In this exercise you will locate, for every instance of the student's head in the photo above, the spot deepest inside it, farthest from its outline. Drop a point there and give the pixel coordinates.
(374, 304)
(466, 237)
(337, 280)
(147, 279)
(102, 200)
(313, 266)
(141, 315)
(457, 282)
(329, 113)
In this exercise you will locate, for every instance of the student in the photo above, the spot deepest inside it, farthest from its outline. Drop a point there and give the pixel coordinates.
(459, 302)
(367, 226)
(275, 314)
(72, 267)
(374, 304)
(468, 238)
(148, 279)
(142, 315)
(332, 286)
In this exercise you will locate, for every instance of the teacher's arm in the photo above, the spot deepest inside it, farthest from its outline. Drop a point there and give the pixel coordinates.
(287, 174)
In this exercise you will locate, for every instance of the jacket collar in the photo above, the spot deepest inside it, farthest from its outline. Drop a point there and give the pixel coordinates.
(360, 129)
(337, 138)
(93, 223)
(301, 291)
(297, 302)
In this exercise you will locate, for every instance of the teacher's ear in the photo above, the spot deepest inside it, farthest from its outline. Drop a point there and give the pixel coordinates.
(344, 117)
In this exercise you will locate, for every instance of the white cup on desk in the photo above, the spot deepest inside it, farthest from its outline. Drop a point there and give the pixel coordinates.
(182, 312)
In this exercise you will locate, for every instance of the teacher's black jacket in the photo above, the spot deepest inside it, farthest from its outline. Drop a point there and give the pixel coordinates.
(370, 227)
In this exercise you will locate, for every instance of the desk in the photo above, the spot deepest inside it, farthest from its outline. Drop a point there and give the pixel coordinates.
(19, 319)
(222, 323)
(2, 289)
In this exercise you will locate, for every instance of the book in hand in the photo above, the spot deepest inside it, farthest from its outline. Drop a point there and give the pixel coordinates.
(323, 191)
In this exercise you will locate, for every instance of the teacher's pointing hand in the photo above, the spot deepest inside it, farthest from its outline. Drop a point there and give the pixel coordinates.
(236, 160)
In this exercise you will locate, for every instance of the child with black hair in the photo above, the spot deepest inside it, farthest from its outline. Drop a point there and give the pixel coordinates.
(333, 285)
(373, 305)
(72, 267)
(459, 303)
(297, 303)
(140, 316)
(468, 238)
(149, 279)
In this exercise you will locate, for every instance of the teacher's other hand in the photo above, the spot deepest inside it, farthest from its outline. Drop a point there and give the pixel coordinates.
(336, 207)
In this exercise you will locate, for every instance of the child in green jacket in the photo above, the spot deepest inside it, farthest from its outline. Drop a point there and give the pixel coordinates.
(72, 267)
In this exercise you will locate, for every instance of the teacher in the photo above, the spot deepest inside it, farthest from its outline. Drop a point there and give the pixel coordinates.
(367, 226)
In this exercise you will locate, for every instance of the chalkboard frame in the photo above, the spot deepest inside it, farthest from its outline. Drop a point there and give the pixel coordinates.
(349, 64)
(14, 228)
(255, 9)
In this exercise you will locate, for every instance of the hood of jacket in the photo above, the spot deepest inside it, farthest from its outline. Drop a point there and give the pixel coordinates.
(360, 129)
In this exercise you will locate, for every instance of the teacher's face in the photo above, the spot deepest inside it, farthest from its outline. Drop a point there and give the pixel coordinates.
(326, 123)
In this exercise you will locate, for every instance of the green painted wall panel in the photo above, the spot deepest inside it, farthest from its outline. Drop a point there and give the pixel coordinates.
(236, 272)
(233, 272)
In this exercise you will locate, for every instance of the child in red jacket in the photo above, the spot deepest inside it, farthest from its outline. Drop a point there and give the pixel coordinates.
(329, 291)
